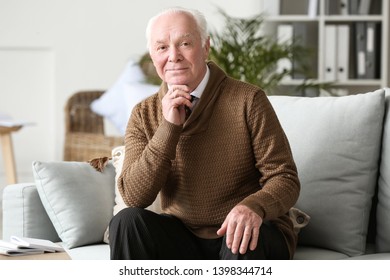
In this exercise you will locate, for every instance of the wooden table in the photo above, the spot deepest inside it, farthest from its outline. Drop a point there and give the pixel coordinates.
(45, 256)
(8, 152)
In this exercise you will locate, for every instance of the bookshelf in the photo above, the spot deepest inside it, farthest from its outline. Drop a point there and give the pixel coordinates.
(349, 42)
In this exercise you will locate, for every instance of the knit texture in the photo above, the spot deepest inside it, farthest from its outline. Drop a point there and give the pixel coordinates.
(231, 150)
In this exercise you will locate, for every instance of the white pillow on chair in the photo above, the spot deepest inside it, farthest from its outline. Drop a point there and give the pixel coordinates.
(117, 102)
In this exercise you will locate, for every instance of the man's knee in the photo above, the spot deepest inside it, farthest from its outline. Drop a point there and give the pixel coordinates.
(128, 216)
(130, 212)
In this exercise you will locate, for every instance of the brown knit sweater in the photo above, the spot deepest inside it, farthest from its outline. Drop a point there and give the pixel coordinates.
(231, 150)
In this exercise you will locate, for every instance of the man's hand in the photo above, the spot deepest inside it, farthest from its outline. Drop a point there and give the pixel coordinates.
(174, 102)
(242, 229)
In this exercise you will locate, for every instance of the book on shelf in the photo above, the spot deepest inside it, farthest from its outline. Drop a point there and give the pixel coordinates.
(367, 42)
(360, 43)
(372, 50)
(330, 57)
(332, 7)
(336, 57)
(297, 33)
(364, 7)
(285, 36)
(288, 7)
(19, 246)
(342, 61)
(344, 7)
(312, 8)
(339, 7)
(376, 7)
(352, 7)
(300, 37)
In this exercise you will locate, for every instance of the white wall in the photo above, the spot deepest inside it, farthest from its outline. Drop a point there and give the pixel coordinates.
(50, 49)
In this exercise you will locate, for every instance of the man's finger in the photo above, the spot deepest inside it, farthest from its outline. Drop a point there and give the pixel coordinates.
(254, 238)
(230, 233)
(237, 238)
(246, 238)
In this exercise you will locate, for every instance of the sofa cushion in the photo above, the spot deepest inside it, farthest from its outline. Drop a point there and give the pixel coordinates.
(77, 198)
(316, 253)
(336, 145)
(24, 215)
(91, 252)
(383, 209)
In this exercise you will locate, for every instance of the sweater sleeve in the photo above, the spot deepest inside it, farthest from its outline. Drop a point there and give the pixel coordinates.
(279, 181)
(147, 162)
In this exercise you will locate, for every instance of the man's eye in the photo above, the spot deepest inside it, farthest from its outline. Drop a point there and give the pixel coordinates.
(185, 44)
(161, 48)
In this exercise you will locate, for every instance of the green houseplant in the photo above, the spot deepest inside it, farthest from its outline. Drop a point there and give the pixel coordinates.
(244, 52)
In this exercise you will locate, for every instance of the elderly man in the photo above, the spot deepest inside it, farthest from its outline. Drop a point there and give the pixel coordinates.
(225, 172)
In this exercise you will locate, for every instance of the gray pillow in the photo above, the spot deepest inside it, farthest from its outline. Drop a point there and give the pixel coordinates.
(336, 145)
(77, 198)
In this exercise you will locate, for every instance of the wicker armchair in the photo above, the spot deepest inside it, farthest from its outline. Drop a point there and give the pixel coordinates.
(84, 130)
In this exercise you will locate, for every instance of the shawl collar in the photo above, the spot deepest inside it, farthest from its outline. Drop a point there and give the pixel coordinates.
(198, 120)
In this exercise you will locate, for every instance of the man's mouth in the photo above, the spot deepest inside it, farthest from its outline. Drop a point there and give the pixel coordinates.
(175, 69)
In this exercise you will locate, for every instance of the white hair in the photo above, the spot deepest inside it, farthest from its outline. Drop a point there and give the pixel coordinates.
(199, 18)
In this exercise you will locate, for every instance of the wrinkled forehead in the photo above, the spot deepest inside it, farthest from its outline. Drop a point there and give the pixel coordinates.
(173, 37)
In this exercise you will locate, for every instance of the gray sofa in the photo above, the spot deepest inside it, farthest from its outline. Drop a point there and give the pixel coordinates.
(342, 149)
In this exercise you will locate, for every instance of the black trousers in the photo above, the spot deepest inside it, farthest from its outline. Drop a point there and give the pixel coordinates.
(140, 234)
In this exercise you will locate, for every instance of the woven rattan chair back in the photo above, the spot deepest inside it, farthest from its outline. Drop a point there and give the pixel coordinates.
(84, 130)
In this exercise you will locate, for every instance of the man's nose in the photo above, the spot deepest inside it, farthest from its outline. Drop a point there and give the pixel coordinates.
(175, 55)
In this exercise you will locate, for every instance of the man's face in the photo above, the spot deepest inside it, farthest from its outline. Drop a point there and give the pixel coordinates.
(176, 50)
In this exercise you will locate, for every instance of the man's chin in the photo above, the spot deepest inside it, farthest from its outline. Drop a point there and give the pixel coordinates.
(176, 81)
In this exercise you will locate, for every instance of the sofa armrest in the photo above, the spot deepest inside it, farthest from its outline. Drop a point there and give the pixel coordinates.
(24, 215)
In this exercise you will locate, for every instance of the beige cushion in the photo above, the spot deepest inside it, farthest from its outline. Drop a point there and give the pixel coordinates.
(118, 155)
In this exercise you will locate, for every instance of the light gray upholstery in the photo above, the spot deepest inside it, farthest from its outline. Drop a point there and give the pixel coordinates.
(383, 210)
(24, 215)
(336, 144)
(332, 192)
(316, 253)
(77, 198)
